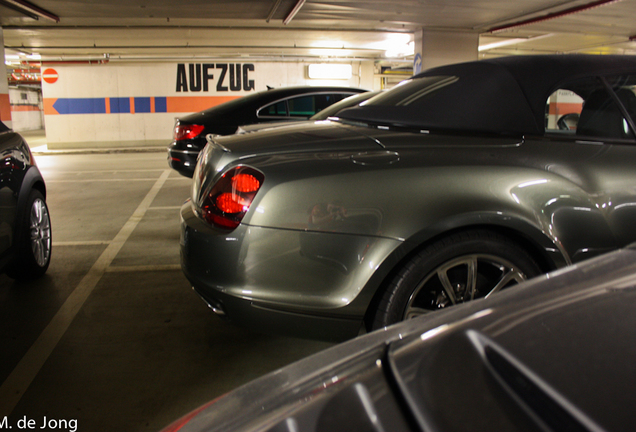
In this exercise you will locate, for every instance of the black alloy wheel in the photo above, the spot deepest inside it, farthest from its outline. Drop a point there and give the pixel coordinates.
(459, 268)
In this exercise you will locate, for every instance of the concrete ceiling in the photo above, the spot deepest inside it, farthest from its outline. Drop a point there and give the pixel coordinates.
(124, 30)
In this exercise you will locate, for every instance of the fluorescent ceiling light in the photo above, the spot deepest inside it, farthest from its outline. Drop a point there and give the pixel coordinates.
(329, 71)
(400, 50)
(501, 44)
(513, 41)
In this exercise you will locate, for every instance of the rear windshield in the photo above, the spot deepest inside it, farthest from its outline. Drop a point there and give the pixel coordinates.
(412, 92)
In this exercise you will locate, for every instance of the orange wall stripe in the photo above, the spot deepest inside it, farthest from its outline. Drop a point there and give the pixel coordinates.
(48, 106)
(191, 104)
(565, 108)
(23, 108)
(5, 107)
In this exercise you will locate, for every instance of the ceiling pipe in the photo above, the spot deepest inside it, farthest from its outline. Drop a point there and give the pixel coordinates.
(71, 62)
(273, 10)
(293, 12)
(30, 10)
(19, 10)
(554, 15)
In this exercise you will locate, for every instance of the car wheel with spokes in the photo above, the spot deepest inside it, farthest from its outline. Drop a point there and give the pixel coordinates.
(459, 268)
(33, 240)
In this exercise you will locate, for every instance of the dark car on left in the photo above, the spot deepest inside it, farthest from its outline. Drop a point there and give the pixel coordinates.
(273, 105)
(25, 224)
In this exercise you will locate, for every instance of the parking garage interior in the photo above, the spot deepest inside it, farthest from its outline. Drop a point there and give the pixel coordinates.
(113, 336)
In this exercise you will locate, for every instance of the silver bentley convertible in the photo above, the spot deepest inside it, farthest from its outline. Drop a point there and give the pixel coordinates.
(456, 184)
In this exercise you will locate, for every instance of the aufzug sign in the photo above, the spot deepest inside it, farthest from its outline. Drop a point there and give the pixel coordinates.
(196, 77)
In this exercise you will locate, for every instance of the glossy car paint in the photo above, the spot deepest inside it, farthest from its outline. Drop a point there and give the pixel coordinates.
(226, 118)
(18, 176)
(342, 205)
(555, 353)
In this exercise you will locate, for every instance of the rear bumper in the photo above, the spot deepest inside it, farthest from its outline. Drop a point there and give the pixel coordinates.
(182, 158)
(182, 162)
(254, 316)
(279, 281)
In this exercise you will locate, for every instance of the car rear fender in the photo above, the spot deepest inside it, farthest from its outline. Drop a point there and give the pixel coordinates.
(545, 248)
(32, 180)
(547, 252)
(421, 203)
(566, 230)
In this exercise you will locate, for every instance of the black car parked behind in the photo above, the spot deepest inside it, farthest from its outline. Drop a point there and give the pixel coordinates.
(288, 103)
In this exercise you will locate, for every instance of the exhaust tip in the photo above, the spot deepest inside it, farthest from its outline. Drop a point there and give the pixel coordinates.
(216, 306)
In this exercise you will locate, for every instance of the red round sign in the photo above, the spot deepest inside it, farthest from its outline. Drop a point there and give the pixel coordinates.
(50, 75)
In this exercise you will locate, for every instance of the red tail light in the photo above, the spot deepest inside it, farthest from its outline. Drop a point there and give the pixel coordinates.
(231, 197)
(186, 131)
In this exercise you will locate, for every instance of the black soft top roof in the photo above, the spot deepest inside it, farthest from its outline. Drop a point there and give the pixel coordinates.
(503, 95)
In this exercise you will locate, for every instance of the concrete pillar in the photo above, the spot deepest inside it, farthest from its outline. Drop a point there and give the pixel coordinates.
(437, 48)
(5, 105)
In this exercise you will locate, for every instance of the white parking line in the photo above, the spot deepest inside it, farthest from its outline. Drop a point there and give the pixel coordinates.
(81, 243)
(21, 377)
(111, 171)
(115, 180)
(101, 180)
(165, 208)
(143, 268)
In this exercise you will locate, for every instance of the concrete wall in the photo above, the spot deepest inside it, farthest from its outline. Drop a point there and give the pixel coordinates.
(5, 103)
(26, 109)
(123, 104)
(438, 48)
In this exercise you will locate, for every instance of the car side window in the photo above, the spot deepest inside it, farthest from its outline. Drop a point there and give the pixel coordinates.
(625, 88)
(586, 108)
(307, 106)
(563, 111)
(325, 100)
(277, 109)
(302, 106)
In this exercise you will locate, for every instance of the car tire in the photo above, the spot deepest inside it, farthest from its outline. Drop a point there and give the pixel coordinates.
(461, 267)
(33, 240)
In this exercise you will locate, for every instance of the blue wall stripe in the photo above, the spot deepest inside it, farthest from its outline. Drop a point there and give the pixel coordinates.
(161, 104)
(118, 105)
(142, 104)
(80, 106)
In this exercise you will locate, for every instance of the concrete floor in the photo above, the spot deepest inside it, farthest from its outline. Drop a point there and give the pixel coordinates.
(113, 337)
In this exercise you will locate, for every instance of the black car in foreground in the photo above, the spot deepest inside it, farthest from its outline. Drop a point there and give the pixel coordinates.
(274, 105)
(25, 225)
(553, 354)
